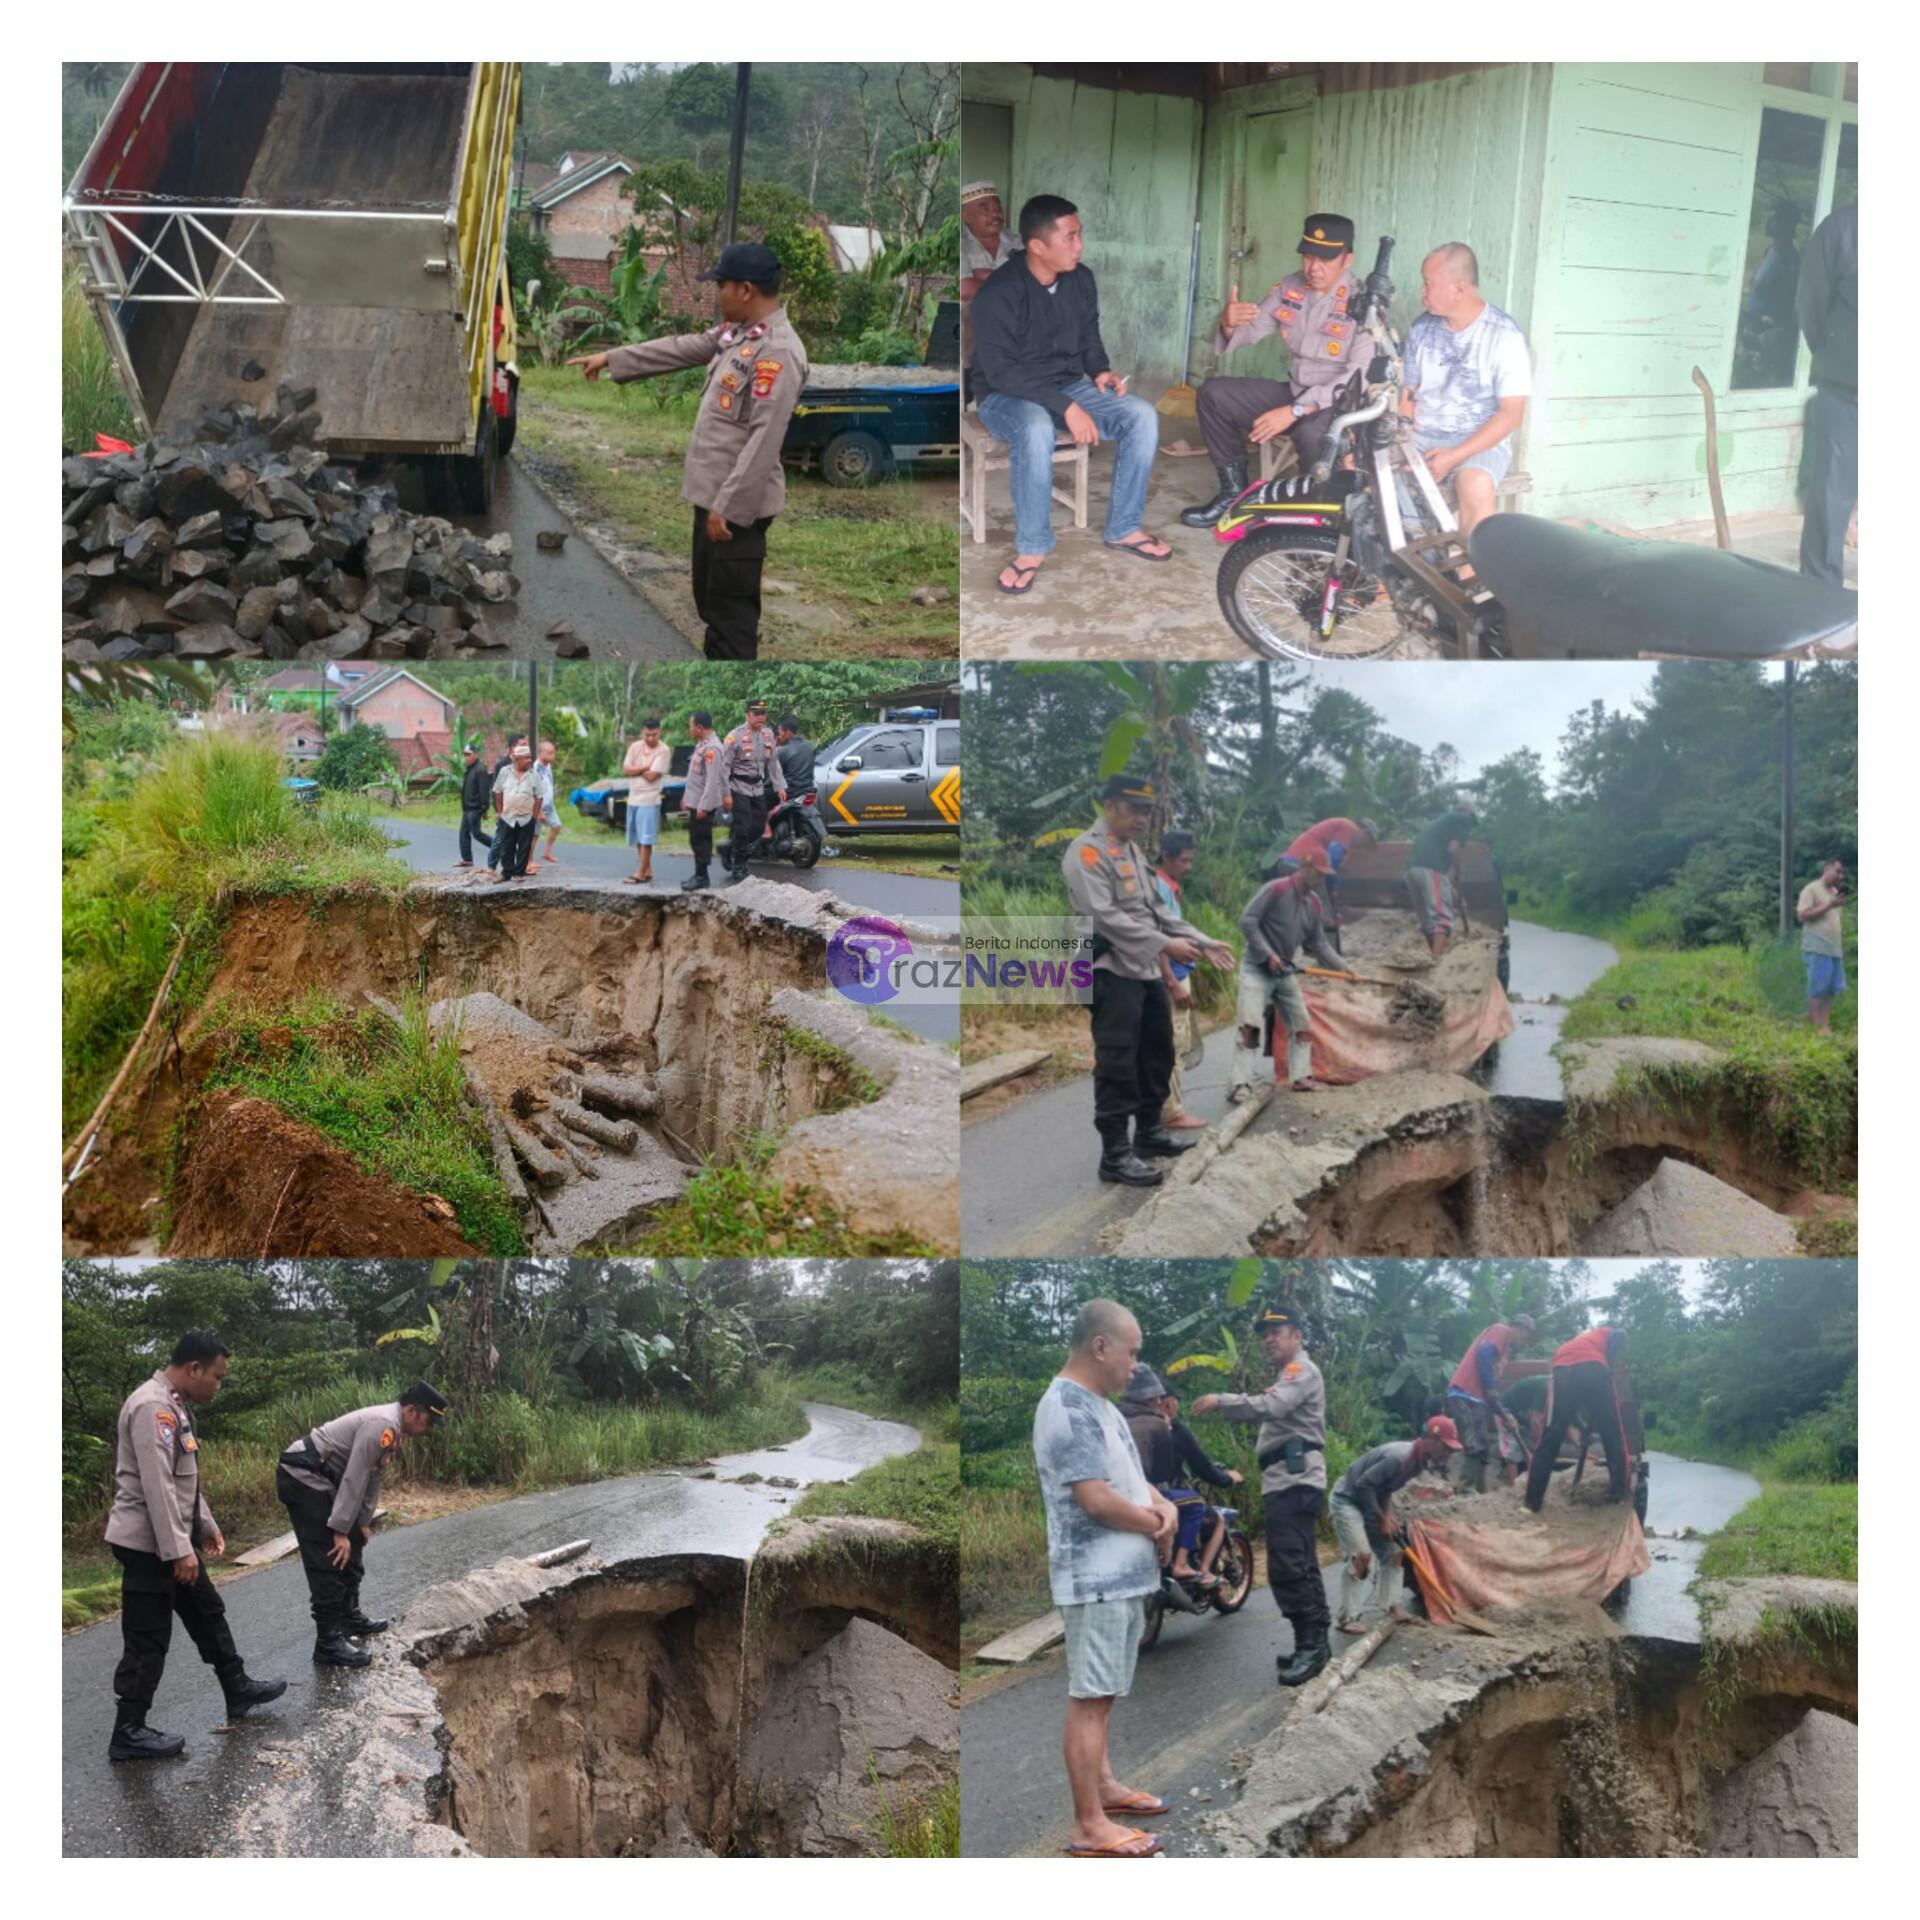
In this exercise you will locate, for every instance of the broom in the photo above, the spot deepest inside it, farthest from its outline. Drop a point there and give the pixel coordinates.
(1182, 399)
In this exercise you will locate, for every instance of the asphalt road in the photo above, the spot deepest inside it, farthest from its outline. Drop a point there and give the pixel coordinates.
(615, 620)
(1203, 1691)
(589, 853)
(186, 1806)
(1030, 1186)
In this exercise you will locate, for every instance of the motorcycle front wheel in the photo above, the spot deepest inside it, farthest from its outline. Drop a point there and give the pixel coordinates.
(1271, 584)
(1235, 1568)
(803, 850)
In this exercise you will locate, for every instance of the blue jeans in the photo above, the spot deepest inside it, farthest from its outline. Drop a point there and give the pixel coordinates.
(1029, 431)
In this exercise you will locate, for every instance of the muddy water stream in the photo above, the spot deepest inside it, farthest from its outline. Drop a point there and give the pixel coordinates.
(1542, 961)
(1680, 1494)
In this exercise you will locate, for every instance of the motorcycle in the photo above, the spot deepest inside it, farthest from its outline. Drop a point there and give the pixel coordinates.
(1234, 1565)
(794, 832)
(1352, 559)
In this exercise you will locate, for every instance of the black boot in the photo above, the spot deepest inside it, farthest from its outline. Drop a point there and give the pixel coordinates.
(1233, 483)
(133, 1739)
(1310, 1654)
(244, 1692)
(734, 876)
(360, 1626)
(334, 1649)
(697, 884)
(1158, 1142)
(1119, 1167)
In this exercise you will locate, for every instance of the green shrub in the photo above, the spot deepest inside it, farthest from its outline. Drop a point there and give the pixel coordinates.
(92, 400)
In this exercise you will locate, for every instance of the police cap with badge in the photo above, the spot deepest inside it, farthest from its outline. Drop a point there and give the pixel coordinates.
(1326, 236)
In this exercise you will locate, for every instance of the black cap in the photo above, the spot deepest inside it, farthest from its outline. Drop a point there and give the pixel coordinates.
(749, 260)
(1128, 786)
(1269, 1317)
(756, 706)
(1145, 1384)
(1327, 236)
(430, 1398)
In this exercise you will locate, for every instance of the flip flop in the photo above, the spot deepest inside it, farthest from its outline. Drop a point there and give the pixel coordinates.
(1186, 1123)
(1138, 548)
(1143, 1806)
(1136, 1846)
(1032, 573)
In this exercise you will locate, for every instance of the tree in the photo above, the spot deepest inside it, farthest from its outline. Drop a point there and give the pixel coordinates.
(357, 758)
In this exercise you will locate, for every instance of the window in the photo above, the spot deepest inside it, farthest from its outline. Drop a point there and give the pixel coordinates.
(1846, 172)
(894, 751)
(1786, 187)
(946, 747)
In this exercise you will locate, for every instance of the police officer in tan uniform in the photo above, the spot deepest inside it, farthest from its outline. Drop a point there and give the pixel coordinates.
(1110, 883)
(329, 1483)
(1308, 310)
(749, 763)
(704, 796)
(163, 1533)
(1292, 1451)
(734, 482)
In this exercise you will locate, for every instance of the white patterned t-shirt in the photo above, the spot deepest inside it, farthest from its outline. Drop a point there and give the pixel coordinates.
(1460, 378)
(1079, 1436)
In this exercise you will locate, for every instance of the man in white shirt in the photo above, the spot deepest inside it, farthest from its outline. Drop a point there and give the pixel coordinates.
(984, 242)
(1467, 378)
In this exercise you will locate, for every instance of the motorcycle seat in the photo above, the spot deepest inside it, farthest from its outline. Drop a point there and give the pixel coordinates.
(1571, 594)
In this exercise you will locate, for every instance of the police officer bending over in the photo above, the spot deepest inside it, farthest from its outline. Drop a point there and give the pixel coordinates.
(329, 1483)
(1293, 1485)
(160, 1529)
(1110, 882)
(1308, 310)
(734, 482)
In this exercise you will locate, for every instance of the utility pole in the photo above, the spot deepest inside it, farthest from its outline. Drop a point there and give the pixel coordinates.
(736, 149)
(1788, 892)
(533, 707)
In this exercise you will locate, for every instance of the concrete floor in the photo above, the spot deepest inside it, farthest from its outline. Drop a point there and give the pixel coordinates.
(1088, 604)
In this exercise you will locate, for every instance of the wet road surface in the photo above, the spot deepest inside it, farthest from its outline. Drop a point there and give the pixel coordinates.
(154, 1808)
(1206, 1689)
(1543, 962)
(615, 620)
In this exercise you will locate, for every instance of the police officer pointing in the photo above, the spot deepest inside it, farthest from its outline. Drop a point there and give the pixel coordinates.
(160, 1529)
(329, 1483)
(1110, 883)
(1293, 1484)
(1308, 310)
(734, 482)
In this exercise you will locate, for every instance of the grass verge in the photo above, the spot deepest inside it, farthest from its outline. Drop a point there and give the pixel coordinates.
(853, 555)
(1793, 1090)
(1003, 1562)
(1805, 1530)
(392, 1097)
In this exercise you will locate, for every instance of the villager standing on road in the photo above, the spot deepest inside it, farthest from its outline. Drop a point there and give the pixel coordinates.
(1473, 1395)
(549, 809)
(1367, 1527)
(1829, 310)
(750, 764)
(1108, 1534)
(497, 845)
(1292, 1445)
(1584, 1390)
(1433, 875)
(703, 797)
(329, 1482)
(475, 786)
(1283, 920)
(648, 762)
(1176, 862)
(1823, 941)
(516, 798)
(1109, 884)
(163, 1533)
(756, 366)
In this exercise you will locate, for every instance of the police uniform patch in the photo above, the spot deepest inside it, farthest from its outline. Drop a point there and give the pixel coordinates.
(1333, 349)
(167, 1427)
(386, 1436)
(1292, 1367)
(765, 373)
(190, 1442)
(1088, 857)
(731, 381)
(724, 402)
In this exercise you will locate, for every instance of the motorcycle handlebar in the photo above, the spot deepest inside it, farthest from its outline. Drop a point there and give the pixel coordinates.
(1341, 428)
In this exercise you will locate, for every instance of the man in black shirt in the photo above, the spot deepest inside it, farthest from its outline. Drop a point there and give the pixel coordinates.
(1039, 371)
(475, 790)
(1829, 307)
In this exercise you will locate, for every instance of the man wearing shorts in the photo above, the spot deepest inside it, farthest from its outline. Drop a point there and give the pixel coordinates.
(1108, 1532)
(649, 760)
(1822, 945)
(1433, 875)
(1467, 375)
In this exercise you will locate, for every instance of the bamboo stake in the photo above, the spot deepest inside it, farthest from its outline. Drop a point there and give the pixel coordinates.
(85, 1136)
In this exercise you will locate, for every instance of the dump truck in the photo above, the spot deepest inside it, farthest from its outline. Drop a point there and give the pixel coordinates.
(249, 228)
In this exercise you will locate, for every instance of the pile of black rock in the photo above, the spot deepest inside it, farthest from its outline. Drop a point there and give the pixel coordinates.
(243, 541)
